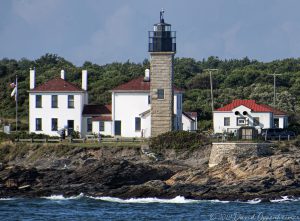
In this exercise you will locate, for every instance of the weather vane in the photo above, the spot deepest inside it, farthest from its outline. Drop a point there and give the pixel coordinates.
(162, 11)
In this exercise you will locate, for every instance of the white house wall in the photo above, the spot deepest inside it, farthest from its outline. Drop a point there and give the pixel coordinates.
(265, 120)
(127, 107)
(107, 128)
(145, 125)
(283, 121)
(186, 123)
(62, 113)
(178, 111)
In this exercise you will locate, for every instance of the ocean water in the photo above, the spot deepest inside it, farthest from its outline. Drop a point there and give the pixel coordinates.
(108, 208)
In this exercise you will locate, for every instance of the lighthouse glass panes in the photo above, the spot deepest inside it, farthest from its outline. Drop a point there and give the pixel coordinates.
(162, 39)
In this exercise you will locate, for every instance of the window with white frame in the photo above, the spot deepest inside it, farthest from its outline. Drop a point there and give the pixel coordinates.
(137, 124)
(255, 121)
(226, 121)
(241, 121)
(38, 101)
(38, 124)
(160, 94)
(54, 124)
(89, 125)
(101, 126)
(54, 101)
(70, 101)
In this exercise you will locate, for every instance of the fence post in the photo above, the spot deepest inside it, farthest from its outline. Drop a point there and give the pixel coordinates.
(266, 137)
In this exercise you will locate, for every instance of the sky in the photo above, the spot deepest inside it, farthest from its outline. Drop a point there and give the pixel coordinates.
(102, 31)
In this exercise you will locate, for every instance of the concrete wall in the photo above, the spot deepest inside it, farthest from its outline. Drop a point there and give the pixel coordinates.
(234, 152)
(62, 113)
(161, 75)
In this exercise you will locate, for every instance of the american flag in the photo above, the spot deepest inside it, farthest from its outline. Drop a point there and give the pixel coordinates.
(15, 88)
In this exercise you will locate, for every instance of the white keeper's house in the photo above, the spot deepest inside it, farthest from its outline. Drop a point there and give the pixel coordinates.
(231, 117)
(59, 104)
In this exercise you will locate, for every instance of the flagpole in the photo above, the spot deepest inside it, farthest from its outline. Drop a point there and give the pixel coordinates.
(16, 103)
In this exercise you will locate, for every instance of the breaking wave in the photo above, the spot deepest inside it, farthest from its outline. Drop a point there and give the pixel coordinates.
(3, 199)
(177, 199)
(61, 197)
(285, 199)
(254, 201)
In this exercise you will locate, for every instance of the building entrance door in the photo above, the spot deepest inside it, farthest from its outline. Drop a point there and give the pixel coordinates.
(118, 127)
(70, 127)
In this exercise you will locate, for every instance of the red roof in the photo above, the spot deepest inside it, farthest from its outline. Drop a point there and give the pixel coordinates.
(102, 118)
(190, 115)
(138, 84)
(57, 85)
(96, 109)
(251, 104)
(274, 110)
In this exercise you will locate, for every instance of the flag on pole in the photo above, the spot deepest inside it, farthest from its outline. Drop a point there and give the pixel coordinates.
(14, 92)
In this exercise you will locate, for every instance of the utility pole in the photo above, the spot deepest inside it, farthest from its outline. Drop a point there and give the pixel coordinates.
(274, 76)
(16, 97)
(211, 88)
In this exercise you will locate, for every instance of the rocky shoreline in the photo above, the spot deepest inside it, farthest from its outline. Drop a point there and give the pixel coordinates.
(128, 172)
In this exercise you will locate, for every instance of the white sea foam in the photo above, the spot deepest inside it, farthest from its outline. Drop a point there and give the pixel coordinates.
(219, 201)
(177, 199)
(254, 201)
(61, 197)
(285, 199)
(4, 199)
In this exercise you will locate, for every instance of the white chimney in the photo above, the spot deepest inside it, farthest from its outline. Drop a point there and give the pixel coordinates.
(62, 74)
(84, 80)
(32, 78)
(147, 75)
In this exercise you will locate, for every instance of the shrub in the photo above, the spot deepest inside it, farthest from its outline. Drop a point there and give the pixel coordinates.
(178, 140)
(296, 142)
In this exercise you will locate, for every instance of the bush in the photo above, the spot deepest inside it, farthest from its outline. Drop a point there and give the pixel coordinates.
(23, 135)
(178, 140)
(296, 142)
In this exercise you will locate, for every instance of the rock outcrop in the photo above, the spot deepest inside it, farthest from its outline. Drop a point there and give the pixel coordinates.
(127, 173)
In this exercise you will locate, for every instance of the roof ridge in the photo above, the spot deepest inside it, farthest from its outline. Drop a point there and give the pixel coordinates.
(57, 84)
(138, 84)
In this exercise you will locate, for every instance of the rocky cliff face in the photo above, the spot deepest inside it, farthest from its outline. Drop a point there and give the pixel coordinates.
(132, 172)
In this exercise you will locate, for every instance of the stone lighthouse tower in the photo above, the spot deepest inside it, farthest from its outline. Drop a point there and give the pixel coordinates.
(162, 48)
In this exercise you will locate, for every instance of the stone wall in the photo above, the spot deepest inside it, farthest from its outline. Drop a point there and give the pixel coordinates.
(161, 75)
(235, 152)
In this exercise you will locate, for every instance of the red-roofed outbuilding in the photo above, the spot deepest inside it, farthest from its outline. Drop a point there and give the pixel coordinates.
(247, 113)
